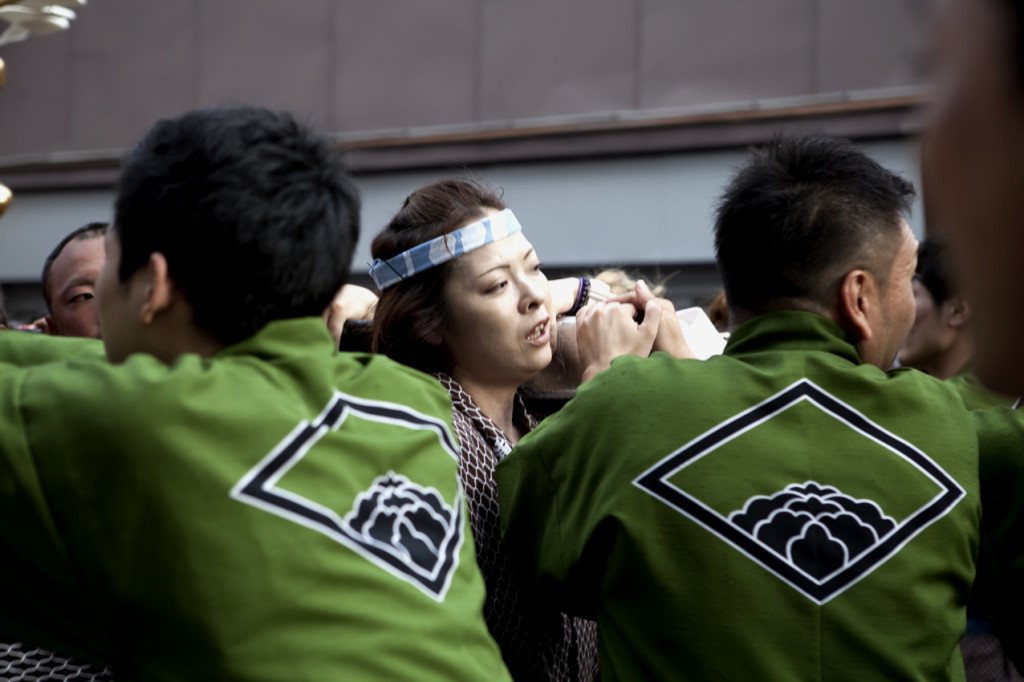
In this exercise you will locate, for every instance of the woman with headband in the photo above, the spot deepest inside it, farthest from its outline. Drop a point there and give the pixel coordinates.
(463, 297)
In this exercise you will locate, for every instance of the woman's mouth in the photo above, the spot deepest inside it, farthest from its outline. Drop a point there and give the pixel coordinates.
(539, 333)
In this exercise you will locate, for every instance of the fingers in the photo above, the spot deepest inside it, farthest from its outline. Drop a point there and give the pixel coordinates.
(671, 338)
(652, 320)
(643, 294)
(639, 297)
(606, 330)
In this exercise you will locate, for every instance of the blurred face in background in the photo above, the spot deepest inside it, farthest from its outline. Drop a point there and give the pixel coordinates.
(936, 329)
(72, 287)
(973, 165)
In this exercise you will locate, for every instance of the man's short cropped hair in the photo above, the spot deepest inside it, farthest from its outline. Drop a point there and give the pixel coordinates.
(934, 270)
(87, 231)
(799, 215)
(253, 212)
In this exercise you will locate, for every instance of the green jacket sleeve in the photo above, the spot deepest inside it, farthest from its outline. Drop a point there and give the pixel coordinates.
(24, 349)
(1000, 582)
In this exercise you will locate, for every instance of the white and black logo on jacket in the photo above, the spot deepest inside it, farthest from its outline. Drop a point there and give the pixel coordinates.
(401, 526)
(821, 535)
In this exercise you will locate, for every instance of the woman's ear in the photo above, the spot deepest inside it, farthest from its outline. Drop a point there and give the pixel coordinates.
(858, 304)
(431, 329)
(433, 337)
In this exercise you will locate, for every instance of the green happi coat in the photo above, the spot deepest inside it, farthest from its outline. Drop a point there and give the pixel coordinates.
(976, 396)
(781, 512)
(277, 512)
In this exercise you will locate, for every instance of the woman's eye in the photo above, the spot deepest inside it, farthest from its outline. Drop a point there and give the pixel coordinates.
(497, 287)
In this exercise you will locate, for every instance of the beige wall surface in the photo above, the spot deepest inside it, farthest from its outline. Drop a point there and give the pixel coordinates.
(360, 65)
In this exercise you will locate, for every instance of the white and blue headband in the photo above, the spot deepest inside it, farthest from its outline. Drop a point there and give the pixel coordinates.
(441, 249)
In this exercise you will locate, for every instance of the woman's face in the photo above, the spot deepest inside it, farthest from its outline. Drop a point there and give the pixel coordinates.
(500, 327)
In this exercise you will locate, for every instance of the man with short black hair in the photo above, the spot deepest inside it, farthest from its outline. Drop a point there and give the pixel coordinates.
(233, 499)
(69, 282)
(788, 510)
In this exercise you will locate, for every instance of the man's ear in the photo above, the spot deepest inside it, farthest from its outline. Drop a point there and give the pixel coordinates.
(858, 300)
(957, 310)
(45, 324)
(158, 288)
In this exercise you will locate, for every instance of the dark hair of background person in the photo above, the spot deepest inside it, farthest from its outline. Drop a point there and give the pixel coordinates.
(799, 215)
(87, 231)
(412, 311)
(718, 311)
(253, 212)
(933, 268)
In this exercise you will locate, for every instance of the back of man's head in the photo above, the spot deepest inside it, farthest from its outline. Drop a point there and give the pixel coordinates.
(933, 268)
(798, 216)
(252, 211)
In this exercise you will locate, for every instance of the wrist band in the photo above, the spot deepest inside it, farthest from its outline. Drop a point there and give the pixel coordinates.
(582, 296)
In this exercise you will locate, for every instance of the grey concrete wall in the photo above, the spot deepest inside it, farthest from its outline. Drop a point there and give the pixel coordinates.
(646, 210)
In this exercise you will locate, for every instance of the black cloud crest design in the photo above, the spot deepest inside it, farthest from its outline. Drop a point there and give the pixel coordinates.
(404, 528)
(814, 537)
(816, 528)
(404, 519)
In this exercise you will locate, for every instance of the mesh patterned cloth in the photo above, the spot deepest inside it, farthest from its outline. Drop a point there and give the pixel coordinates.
(21, 663)
(536, 643)
(985, 660)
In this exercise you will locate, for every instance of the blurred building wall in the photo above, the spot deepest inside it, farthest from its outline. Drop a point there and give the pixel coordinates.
(610, 124)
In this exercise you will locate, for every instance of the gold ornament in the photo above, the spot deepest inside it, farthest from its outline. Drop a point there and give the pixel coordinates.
(3, 72)
(5, 199)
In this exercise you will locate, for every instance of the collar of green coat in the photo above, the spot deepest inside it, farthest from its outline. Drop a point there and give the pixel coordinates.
(792, 330)
(298, 336)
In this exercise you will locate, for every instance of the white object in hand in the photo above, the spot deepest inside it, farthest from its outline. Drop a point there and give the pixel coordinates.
(700, 333)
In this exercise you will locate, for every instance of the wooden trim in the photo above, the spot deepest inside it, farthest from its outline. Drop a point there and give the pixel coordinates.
(754, 114)
(563, 138)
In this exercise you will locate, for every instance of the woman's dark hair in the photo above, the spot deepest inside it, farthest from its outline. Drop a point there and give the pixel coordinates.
(411, 313)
